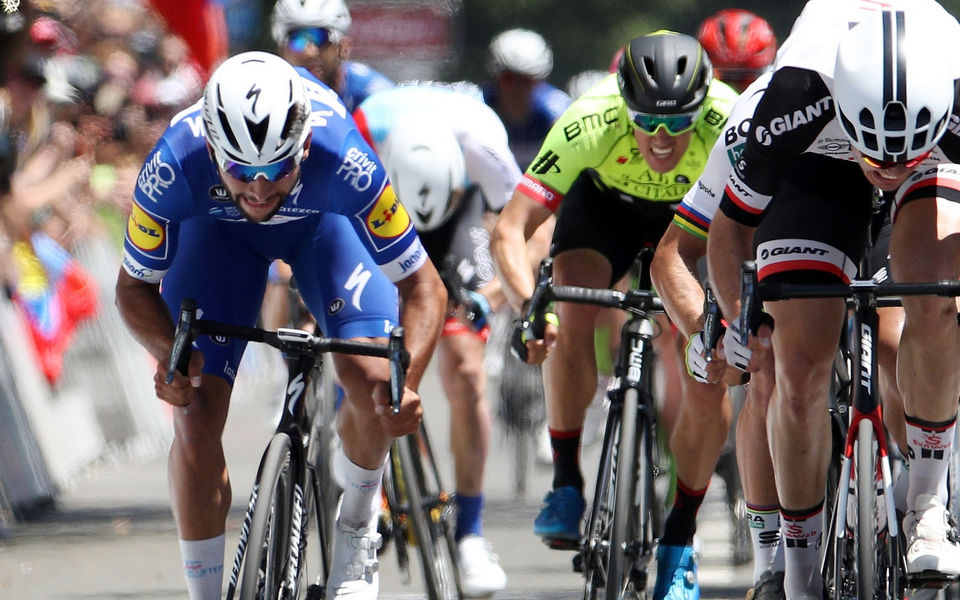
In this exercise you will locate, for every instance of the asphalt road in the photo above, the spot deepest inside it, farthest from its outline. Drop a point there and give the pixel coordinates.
(111, 535)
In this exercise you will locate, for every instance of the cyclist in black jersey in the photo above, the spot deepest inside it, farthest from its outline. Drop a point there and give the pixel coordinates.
(850, 109)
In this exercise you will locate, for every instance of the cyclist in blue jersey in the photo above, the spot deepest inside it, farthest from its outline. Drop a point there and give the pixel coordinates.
(519, 63)
(313, 34)
(270, 165)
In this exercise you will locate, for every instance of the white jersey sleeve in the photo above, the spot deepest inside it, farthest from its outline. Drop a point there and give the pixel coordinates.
(490, 163)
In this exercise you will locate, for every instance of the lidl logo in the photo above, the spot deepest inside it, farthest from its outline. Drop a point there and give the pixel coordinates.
(144, 232)
(388, 219)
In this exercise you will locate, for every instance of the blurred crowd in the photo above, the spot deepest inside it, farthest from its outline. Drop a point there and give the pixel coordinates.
(87, 88)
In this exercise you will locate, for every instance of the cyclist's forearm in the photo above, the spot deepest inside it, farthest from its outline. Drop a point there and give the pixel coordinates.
(145, 315)
(423, 306)
(673, 272)
(730, 243)
(517, 223)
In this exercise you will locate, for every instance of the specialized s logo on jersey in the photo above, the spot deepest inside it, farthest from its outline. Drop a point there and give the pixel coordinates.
(144, 232)
(387, 219)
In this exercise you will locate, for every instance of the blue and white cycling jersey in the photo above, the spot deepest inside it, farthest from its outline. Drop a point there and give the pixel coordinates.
(341, 229)
(341, 174)
(360, 81)
(486, 153)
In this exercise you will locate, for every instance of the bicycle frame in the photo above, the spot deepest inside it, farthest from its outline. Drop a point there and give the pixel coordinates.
(618, 542)
(865, 419)
(303, 352)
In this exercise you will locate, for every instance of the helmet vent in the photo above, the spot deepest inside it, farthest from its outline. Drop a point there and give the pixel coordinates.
(681, 65)
(258, 132)
(895, 117)
(866, 119)
(896, 144)
(923, 117)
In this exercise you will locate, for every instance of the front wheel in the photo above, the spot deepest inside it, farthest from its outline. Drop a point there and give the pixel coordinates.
(430, 513)
(268, 546)
(625, 533)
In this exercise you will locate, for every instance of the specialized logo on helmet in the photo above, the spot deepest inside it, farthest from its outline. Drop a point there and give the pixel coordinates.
(387, 218)
(144, 232)
(788, 122)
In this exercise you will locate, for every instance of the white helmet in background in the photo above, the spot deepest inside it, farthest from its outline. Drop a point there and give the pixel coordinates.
(332, 15)
(425, 164)
(893, 95)
(255, 110)
(520, 51)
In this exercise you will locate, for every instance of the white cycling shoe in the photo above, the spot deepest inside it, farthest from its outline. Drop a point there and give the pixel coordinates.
(932, 549)
(480, 571)
(354, 565)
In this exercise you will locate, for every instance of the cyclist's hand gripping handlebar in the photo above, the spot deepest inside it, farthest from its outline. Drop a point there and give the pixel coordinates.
(533, 323)
(399, 361)
(183, 339)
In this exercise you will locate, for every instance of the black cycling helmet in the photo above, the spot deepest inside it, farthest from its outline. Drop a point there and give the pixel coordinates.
(664, 73)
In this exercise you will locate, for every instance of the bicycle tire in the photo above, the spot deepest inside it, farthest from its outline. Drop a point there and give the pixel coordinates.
(595, 545)
(268, 546)
(625, 528)
(433, 537)
(867, 583)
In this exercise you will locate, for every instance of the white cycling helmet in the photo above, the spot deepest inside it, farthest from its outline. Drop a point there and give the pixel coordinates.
(521, 51)
(255, 110)
(425, 164)
(893, 96)
(332, 15)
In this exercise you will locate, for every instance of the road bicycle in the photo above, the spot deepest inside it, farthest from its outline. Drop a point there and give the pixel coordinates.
(864, 554)
(290, 502)
(625, 516)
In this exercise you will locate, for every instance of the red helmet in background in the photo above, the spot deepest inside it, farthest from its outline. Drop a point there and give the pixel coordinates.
(740, 45)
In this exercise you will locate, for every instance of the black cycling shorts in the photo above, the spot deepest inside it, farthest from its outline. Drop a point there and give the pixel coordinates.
(815, 228)
(464, 240)
(616, 225)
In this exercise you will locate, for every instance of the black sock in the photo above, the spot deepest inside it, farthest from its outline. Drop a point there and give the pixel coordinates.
(566, 459)
(681, 524)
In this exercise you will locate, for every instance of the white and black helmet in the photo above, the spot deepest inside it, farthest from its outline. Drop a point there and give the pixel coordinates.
(893, 97)
(520, 51)
(425, 164)
(255, 110)
(332, 15)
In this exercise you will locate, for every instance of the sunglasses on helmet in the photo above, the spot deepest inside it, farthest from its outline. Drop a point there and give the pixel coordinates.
(889, 164)
(270, 172)
(673, 124)
(299, 39)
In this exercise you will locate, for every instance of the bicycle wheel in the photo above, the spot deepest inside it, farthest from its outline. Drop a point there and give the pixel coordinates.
(592, 559)
(430, 516)
(268, 545)
(625, 532)
(877, 552)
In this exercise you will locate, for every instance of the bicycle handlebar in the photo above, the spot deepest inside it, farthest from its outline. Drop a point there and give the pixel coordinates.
(290, 341)
(754, 293)
(545, 292)
(457, 290)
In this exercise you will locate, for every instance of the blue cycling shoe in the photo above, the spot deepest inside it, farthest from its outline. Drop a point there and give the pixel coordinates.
(559, 520)
(676, 574)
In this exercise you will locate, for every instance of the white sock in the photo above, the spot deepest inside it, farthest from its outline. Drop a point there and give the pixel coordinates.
(802, 537)
(361, 491)
(764, 524)
(930, 445)
(203, 566)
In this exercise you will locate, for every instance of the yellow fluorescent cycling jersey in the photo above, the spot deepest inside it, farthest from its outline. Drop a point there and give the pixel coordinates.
(594, 133)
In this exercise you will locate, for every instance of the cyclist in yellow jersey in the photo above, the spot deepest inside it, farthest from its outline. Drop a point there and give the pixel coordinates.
(618, 160)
